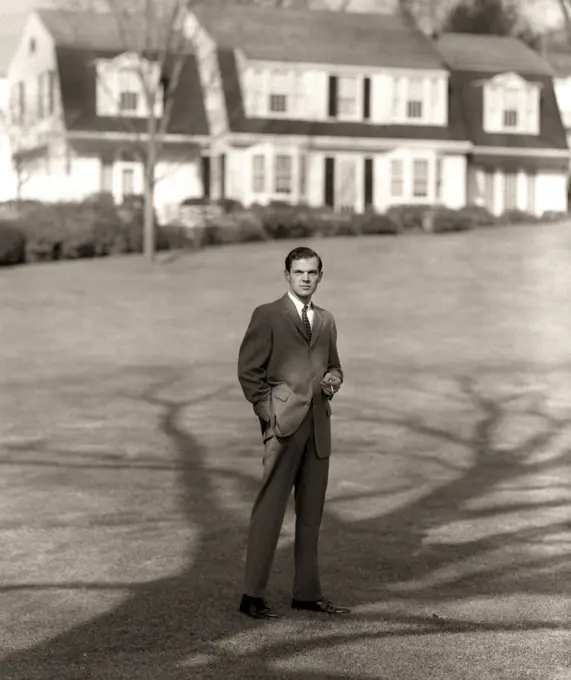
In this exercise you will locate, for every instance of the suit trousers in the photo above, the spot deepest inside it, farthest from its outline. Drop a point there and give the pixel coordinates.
(288, 462)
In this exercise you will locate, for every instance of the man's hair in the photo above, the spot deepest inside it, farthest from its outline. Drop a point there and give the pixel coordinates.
(302, 253)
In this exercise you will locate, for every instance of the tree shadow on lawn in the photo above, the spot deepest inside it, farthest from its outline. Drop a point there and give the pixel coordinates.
(188, 625)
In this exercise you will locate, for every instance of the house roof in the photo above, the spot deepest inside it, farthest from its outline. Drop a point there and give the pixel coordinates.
(467, 88)
(490, 54)
(240, 123)
(77, 75)
(320, 37)
(103, 31)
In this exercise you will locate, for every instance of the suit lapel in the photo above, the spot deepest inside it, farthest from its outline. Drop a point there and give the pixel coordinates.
(317, 324)
(291, 312)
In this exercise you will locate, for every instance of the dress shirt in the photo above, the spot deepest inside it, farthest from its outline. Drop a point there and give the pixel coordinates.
(299, 306)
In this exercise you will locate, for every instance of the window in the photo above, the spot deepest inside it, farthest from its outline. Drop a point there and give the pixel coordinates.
(346, 184)
(511, 106)
(32, 45)
(414, 104)
(278, 103)
(259, 174)
(397, 178)
(283, 183)
(280, 85)
(129, 88)
(420, 178)
(347, 94)
(510, 191)
(128, 101)
(127, 182)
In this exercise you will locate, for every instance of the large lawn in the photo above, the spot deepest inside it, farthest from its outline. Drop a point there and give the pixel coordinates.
(130, 461)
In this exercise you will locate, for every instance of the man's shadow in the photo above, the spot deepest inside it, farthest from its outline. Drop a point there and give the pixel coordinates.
(166, 625)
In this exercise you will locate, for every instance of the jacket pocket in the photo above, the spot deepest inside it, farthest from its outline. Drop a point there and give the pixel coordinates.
(281, 392)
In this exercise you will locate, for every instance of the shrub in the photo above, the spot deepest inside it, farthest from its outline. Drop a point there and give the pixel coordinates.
(446, 221)
(284, 222)
(236, 227)
(554, 216)
(517, 217)
(477, 215)
(373, 223)
(408, 217)
(12, 244)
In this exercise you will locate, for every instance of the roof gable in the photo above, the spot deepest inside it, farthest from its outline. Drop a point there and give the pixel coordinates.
(490, 54)
(320, 37)
(77, 76)
(467, 88)
(102, 31)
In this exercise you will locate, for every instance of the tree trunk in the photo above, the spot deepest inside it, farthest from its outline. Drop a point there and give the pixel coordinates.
(149, 190)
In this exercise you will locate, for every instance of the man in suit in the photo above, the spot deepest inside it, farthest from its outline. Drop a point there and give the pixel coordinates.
(289, 369)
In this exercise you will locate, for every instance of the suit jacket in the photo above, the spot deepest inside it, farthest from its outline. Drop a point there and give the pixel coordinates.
(280, 370)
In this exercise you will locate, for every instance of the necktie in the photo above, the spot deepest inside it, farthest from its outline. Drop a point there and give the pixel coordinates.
(306, 324)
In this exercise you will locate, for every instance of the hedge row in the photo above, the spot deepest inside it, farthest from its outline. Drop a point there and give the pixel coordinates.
(31, 231)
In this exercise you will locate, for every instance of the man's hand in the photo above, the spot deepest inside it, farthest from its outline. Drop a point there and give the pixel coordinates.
(330, 384)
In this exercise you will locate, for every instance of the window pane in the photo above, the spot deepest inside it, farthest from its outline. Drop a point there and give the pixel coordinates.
(347, 96)
(415, 98)
(259, 174)
(420, 178)
(283, 174)
(128, 101)
(278, 103)
(397, 178)
(280, 91)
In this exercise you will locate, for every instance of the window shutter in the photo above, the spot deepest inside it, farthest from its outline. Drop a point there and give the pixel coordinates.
(205, 176)
(329, 184)
(332, 106)
(369, 184)
(367, 98)
(222, 162)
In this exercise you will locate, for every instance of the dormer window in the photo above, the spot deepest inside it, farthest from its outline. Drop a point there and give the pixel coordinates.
(511, 104)
(415, 99)
(120, 90)
(279, 92)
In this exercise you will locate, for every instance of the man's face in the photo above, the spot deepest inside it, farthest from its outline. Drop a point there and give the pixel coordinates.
(304, 277)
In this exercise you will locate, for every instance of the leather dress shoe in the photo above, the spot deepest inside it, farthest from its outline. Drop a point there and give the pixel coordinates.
(323, 606)
(256, 607)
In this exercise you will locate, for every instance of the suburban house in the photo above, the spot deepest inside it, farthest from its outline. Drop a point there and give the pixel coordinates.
(79, 114)
(348, 110)
(9, 184)
(520, 157)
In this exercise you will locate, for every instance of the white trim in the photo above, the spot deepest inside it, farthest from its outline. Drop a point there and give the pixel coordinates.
(342, 69)
(135, 136)
(509, 151)
(350, 143)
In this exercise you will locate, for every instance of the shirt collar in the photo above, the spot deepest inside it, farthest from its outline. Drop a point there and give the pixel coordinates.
(298, 303)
